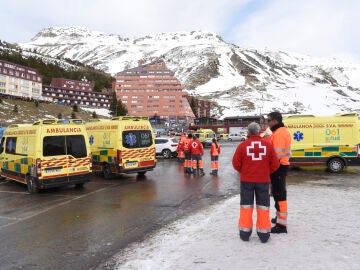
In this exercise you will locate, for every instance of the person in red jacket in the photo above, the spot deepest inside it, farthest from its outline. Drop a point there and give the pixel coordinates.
(214, 155)
(197, 151)
(255, 159)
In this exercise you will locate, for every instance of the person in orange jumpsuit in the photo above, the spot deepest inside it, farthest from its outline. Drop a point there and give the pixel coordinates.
(187, 151)
(214, 155)
(197, 151)
(255, 159)
(180, 148)
(281, 141)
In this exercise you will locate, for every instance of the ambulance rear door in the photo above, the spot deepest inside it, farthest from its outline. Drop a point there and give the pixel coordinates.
(55, 161)
(64, 156)
(138, 149)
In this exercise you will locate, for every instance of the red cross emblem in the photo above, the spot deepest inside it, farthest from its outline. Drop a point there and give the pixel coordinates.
(256, 150)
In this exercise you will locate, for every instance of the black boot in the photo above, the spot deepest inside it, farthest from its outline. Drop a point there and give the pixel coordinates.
(201, 172)
(245, 236)
(273, 220)
(264, 237)
(278, 228)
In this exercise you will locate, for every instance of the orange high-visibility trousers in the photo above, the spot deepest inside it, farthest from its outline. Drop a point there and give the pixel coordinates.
(281, 215)
(197, 162)
(245, 220)
(263, 223)
(181, 154)
(249, 190)
(187, 163)
(214, 163)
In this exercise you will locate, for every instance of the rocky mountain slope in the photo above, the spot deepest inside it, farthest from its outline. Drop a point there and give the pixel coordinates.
(241, 81)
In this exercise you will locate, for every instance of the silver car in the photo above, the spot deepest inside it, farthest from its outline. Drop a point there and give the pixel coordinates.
(237, 137)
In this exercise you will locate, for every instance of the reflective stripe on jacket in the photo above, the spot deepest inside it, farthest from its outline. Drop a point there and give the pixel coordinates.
(281, 140)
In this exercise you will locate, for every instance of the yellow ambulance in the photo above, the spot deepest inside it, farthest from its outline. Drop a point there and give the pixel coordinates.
(205, 136)
(48, 153)
(123, 144)
(332, 141)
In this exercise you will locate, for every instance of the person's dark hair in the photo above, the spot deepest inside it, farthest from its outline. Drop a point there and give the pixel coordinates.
(214, 141)
(276, 116)
(190, 135)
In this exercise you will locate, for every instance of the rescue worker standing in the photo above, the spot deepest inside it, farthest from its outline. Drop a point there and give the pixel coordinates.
(187, 151)
(197, 151)
(180, 148)
(214, 155)
(281, 141)
(255, 159)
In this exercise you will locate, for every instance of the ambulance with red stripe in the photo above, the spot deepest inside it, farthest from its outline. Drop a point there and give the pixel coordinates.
(123, 144)
(48, 153)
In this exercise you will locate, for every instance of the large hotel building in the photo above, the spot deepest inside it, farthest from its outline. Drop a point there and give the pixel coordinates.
(70, 92)
(20, 81)
(153, 90)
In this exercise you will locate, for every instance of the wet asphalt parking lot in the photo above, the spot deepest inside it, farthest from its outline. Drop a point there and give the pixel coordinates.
(82, 228)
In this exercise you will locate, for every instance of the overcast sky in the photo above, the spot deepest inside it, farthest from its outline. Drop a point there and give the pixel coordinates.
(323, 28)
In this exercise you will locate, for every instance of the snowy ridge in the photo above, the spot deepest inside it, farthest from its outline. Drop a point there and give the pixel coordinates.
(242, 81)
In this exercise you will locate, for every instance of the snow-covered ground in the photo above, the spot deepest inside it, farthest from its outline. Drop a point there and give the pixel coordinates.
(99, 111)
(323, 233)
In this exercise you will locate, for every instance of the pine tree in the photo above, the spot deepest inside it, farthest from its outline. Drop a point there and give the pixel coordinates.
(117, 108)
(59, 116)
(16, 109)
(94, 115)
(73, 115)
(36, 104)
(75, 108)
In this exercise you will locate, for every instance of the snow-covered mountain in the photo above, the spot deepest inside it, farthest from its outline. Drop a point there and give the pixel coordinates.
(242, 81)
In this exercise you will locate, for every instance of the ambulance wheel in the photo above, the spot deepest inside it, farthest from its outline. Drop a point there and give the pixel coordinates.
(107, 172)
(31, 185)
(166, 153)
(335, 165)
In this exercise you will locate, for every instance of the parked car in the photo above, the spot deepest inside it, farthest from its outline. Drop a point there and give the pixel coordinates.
(166, 147)
(222, 136)
(237, 137)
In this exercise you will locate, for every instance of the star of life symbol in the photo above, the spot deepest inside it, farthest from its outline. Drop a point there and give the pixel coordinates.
(130, 139)
(256, 150)
(91, 139)
(298, 136)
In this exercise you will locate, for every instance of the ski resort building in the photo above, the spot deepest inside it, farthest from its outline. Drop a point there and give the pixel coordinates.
(153, 90)
(19, 81)
(70, 92)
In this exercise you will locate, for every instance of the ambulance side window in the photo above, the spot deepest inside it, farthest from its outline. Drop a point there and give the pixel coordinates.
(54, 146)
(2, 143)
(76, 146)
(10, 145)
